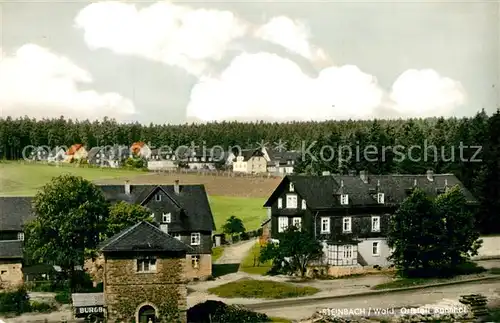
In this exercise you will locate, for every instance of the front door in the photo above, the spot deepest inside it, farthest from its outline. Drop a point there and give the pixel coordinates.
(147, 314)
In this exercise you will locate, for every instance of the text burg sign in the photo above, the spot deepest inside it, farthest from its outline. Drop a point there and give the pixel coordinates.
(89, 310)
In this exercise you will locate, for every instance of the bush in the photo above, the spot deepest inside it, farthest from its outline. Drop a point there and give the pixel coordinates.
(236, 239)
(63, 297)
(260, 232)
(17, 301)
(42, 307)
(244, 236)
(249, 288)
(215, 311)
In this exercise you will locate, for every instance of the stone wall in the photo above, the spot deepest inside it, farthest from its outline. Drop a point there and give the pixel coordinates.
(340, 271)
(204, 270)
(11, 273)
(126, 291)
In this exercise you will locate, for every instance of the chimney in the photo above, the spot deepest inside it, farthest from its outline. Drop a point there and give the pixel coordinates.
(176, 187)
(430, 175)
(364, 176)
(127, 187)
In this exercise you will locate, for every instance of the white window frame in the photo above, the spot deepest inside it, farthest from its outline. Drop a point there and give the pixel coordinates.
(291, 201)
(347, 220)
(348, 251)
(304, 205)
(158, 197)
(195, 261)
(20, 236)
(177, 236)
(376, 245)
(344, 199)
(292, 188)
(152, 215)
(167, 218)
(280, 203)
(164, 227)
(146, 265)
(325, 220)
(380, 198)
(195, 239)
(375, 220)
(282, 223)
(297, 222)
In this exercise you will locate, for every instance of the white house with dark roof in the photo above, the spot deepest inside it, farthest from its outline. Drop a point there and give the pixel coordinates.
(349, 214)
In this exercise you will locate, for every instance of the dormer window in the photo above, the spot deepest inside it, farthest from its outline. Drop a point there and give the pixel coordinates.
(158, 197)
(167, 218)
(291, 187)
(380, 198)
(344, 199)
(304, 206)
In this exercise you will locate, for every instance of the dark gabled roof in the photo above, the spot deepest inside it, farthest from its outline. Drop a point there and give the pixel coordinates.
(143, 236)
(14, 211)
(322, 192)
(191, 198)
(93, 152)
(12, 249)
(249, 153)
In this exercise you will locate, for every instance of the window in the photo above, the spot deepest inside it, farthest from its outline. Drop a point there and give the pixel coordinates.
(195, 262)
(158, 197)
(282, 223)
(280, 203)
(297, 222)
(164, 228)
(195, 239)
(325, 225)
(167, 218)
(291, 187)
(348, 252)
(375, 249)
(380, 198)
(3, 272)
(145, 265)
(152, 215)
(375, 223)
(291, 201)
(177, 236)
(20, 236)
(344, 199)
(304, 205)
(346, 224)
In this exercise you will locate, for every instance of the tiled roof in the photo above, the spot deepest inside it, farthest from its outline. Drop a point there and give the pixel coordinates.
(11, 249)
(321, 192)
(14, 211)
(192, 198)
(143, 236)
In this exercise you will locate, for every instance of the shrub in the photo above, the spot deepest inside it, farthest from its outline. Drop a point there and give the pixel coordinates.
(42, 307)
(236, 239)
(249, 288)
(216, 311)
(17, 301)
(244, 236)
(63, 297)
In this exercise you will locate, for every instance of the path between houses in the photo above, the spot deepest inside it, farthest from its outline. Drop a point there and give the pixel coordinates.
(234, 254)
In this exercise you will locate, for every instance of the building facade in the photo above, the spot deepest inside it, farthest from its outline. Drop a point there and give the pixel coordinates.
(349, 214)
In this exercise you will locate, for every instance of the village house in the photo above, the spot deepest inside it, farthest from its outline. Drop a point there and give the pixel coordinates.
(108, 156)
(250, 161)
(14, 211)
(161, 159)
(282, 163)
(141, 149)
(75, 153)
(57, 154)
(348, 214)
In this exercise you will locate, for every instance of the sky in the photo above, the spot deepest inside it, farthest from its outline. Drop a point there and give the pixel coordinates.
(177, 62)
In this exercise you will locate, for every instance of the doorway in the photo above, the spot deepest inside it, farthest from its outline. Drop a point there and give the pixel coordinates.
(147, 314)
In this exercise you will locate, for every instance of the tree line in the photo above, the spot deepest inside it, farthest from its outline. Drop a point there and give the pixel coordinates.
(476, 165)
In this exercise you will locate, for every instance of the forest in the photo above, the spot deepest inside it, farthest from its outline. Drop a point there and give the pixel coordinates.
(477, 165)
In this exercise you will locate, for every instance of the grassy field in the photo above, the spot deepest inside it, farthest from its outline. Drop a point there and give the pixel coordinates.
(249, 288)
(241, 197)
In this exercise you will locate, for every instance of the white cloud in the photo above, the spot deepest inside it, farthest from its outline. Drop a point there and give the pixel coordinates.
(266, 86)
(38, 83)
(424, 93)
(164, 32)
(292, 35)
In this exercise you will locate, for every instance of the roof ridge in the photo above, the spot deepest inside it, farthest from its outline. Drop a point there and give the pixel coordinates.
(119, 235)
(165, 233)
